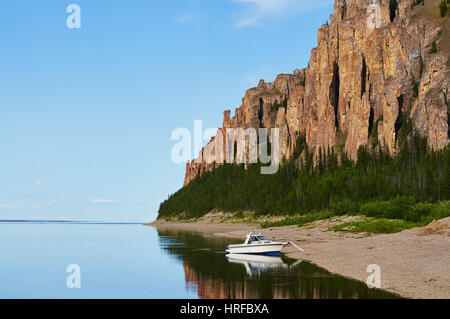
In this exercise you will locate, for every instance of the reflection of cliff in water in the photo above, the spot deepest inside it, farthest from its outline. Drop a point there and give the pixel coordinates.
(212, 274)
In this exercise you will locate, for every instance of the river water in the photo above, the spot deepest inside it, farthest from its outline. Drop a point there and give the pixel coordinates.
(51, 259)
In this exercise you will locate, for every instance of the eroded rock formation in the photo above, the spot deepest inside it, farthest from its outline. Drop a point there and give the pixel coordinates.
(363, 77)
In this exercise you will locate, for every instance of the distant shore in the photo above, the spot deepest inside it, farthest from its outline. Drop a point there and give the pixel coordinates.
(414, 263)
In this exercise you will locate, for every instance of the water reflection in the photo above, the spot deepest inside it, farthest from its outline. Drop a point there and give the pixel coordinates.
(211, 273)
(255, 265)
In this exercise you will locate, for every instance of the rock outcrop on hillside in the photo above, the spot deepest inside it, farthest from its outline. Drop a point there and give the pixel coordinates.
(364, 79)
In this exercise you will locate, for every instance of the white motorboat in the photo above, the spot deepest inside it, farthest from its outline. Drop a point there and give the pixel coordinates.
(258, 244)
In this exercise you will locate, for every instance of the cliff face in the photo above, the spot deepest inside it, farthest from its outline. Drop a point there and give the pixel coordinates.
(362, 80)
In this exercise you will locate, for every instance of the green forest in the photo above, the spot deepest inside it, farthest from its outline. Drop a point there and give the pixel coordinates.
(413, 185)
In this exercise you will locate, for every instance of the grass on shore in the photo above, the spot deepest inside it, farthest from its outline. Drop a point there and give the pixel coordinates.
(376, 226)
(391, 216)
(380, 217)
(300, 220)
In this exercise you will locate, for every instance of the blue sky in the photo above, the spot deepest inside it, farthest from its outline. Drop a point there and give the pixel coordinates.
(86, 114)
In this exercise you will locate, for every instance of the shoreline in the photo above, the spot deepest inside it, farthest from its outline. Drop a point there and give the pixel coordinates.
(414, 263)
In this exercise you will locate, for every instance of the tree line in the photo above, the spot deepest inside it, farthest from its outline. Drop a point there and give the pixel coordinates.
(303, 186)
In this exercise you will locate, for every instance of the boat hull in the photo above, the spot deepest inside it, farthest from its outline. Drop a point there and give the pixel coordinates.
(268, 250)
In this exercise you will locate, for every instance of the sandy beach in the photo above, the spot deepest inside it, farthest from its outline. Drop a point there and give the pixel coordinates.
(414, 263)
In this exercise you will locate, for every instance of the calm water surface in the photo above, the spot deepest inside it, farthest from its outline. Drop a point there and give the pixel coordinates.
(135, 261)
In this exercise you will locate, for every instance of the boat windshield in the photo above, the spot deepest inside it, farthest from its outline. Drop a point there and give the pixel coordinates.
(255, 238)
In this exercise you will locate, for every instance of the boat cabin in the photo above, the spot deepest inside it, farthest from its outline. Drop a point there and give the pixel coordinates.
(256, 239)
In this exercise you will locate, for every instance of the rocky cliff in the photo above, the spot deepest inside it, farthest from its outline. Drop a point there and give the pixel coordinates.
(365, 78)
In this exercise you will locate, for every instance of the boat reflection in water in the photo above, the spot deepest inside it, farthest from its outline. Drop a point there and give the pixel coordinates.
(255, 265)
(212, 274)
